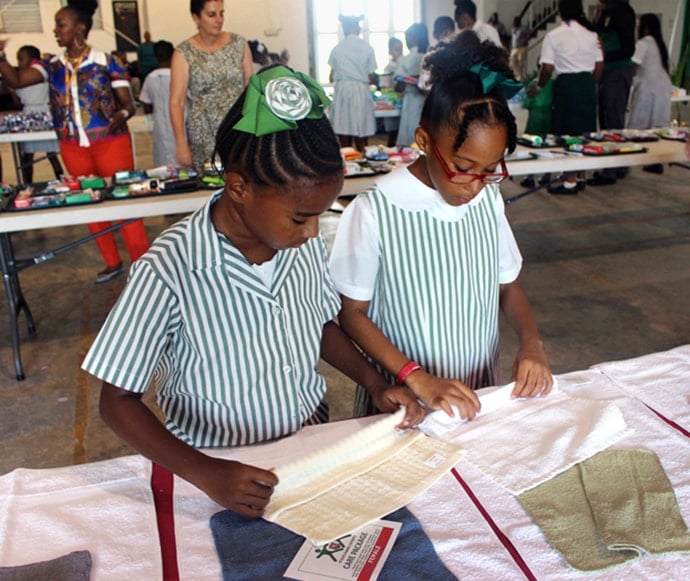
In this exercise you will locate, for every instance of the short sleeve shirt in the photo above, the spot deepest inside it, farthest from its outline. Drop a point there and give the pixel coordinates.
(233, 361)
(648, 58)
(486, 32)
(83, 102)
(571, 48)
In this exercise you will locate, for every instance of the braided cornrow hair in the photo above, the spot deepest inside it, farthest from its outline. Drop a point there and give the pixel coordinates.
(311, 150)
(457, 98)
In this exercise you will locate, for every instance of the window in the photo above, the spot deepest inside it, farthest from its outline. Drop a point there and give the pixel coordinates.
(20, 16)
(97, 16)
(382, 19)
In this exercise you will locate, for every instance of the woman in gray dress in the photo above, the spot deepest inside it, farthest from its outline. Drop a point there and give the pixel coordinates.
(211, 68)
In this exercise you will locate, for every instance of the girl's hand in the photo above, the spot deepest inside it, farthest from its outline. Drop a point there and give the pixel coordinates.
(390, 398)
(184, 155)
(437, 393)
(243, 489)
(531, 372)
(3, 43)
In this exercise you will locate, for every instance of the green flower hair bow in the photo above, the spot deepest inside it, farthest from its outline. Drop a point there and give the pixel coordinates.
(491, 79)
(277, 98)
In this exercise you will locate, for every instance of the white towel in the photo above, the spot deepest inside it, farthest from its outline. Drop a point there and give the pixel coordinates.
(659, 380)
(47, 513)
(521, 443)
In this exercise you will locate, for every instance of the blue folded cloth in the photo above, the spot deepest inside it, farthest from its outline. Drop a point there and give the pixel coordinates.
(255, 549)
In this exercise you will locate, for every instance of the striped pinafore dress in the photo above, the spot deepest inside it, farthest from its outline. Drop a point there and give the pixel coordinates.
(436, 296)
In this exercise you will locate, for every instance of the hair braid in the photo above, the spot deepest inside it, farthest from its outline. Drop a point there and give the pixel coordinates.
(311, 150)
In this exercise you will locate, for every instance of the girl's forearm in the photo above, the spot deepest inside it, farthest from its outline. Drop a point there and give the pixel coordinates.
(370, 338)
(517, 310)
(139, 427)
(338, 350)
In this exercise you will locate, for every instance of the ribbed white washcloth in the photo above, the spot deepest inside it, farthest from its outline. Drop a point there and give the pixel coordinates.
(520, 443)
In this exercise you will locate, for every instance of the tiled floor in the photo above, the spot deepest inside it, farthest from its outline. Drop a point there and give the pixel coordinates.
(607, 272)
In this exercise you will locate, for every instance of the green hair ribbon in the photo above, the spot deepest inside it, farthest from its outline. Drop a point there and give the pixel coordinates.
(491, 79)
(277, 98)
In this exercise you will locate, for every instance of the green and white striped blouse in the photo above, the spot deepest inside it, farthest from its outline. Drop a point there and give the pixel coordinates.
(232, 361)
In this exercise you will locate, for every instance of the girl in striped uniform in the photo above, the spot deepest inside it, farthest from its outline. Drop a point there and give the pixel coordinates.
(425, 259)
(230, 310)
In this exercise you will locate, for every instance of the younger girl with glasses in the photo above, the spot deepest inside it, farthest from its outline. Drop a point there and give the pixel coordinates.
(425, 258)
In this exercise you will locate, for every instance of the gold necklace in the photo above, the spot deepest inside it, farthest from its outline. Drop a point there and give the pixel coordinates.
(75, 61)
(71, 72)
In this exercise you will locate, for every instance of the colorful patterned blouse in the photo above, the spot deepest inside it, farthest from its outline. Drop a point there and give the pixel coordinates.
(83, 113)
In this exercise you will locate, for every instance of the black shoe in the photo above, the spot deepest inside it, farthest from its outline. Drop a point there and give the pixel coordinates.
(528, 182)
(545, 179)
(581, 185)
(621, 172)
(562, 190)
(109, 273)
(599, 179)
(654, 168)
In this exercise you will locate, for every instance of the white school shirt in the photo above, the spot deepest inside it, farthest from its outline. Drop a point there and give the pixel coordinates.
(487, 32)
(355, 256)
(156, 92)
(232, 361)
(571, 48)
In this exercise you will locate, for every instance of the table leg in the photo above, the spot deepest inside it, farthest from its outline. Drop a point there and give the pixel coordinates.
(15, 300)
(517, 197)
(17, 157)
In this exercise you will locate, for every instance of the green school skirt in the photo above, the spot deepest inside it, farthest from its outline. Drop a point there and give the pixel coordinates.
(574, 104)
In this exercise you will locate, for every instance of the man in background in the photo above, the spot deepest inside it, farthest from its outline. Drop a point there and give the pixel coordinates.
(520, 36)
(145, 57)
(614, 21)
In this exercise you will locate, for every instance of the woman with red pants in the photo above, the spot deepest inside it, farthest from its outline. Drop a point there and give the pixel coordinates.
(90, 101)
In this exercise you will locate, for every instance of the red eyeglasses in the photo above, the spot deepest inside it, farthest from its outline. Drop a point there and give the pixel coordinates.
(462, 177)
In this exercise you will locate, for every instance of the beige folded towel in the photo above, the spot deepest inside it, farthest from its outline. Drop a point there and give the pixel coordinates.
(371, 473)
(609, 509)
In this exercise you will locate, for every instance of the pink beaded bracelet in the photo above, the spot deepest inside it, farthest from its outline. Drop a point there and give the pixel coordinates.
(405, 372)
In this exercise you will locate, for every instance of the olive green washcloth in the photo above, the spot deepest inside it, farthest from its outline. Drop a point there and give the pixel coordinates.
(609, 509)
